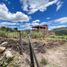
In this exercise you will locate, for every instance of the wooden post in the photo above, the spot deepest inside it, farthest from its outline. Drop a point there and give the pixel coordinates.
(20, 42)
(31, 53)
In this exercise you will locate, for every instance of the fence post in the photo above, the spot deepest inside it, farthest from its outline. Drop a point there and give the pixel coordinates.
(20, 42)
(31, 54)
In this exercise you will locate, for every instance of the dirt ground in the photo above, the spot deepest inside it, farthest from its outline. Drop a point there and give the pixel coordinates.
(55, 52)
(57, 56)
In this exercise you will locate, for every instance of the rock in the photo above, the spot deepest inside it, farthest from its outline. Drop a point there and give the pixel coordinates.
(2, 49)
(8, 54)
(4, 43)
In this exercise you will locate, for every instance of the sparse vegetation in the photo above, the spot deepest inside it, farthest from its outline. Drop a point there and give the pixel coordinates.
(60, 31)
(57, 37)
(14, 65)
(37, 34)
(44, 61)
(4, 61)
(39, 47)
(7, 32)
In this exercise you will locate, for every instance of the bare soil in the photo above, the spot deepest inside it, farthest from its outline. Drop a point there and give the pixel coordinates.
(55, 52)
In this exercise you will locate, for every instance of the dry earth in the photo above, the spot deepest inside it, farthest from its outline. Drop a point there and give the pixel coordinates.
(57, 57)
(54, 52)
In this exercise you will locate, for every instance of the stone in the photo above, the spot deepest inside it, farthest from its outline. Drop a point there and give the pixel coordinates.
(4, 43)
(8, 54)
(2, 49)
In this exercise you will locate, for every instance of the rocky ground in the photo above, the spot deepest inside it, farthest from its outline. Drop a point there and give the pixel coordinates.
(49, 54)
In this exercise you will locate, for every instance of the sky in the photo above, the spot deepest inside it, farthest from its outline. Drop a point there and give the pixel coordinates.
(26, 13)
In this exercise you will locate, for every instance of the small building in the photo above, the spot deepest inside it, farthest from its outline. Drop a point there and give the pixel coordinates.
(41, 28)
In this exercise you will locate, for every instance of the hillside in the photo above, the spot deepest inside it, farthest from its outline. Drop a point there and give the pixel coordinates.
(60, 31)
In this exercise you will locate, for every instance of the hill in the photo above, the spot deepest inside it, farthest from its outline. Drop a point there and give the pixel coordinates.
(60, 31)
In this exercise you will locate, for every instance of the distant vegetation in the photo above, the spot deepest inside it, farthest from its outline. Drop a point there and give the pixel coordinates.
(14, 33)
(8, 32)
(60, 33)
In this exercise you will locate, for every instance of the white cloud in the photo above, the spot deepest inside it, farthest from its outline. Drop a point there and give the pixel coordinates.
(61, 20)
(6, 24)
(44, 23)
(35, 22)
(34, 5)
(14, 17)
(59, 5)
(58, 26)
(25, 26)
(38, 22)
(57, 23)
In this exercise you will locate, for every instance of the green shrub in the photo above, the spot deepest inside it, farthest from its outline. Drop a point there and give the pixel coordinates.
(37, 35)
(52, 36)
(15, 65)
(3, 34)
(44, 61)
(4, 62)
(24, 34)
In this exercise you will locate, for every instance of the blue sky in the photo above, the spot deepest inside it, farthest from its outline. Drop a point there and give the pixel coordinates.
(24, 13)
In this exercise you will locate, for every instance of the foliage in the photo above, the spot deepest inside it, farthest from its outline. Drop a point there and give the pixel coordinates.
(3, 34)
(7, 32)
(6, 29)
(37, 35)
(60, 31)
(44, 61)
(58, 37)
(14, 65)
(4, 61)
(24, 34)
